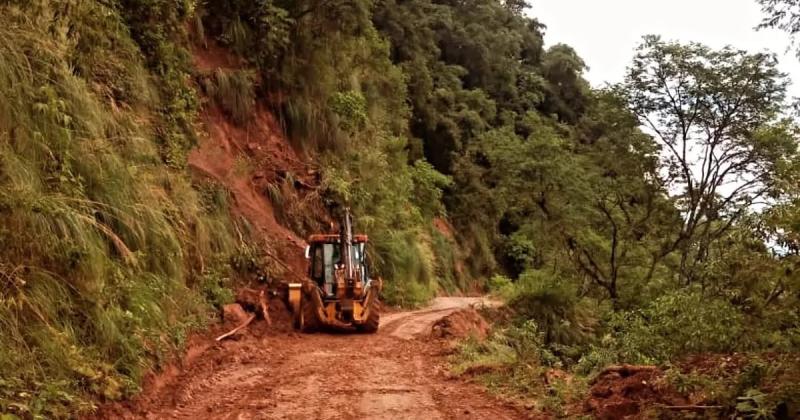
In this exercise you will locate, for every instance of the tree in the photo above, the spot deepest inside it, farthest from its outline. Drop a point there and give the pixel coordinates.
(717, 114)
(582, 203)
(567, 90)
(517, 6)
(781, 14)
(626, 211)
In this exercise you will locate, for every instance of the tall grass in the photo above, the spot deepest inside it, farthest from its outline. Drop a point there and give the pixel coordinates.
(101, 245)
(234, 91)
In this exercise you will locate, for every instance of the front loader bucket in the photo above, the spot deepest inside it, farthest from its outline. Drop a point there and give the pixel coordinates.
(310, 312)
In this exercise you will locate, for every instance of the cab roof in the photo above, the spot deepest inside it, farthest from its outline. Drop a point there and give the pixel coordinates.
(333, 238)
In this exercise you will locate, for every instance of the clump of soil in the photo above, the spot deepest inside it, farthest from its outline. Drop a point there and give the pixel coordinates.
(280, 315)
(461, 324)
(624, 392)
(233, 314)
(280, 318)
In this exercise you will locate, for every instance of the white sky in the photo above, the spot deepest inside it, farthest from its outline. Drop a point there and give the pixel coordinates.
(605, 33)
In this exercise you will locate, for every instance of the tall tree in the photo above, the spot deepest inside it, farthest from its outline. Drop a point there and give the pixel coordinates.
(717, 114)
(626, 210)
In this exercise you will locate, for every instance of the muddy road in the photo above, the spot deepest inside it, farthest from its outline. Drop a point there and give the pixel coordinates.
(398, 373)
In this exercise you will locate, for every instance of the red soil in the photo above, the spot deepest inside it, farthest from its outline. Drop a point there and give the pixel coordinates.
(627, 391)
(248, 159)
(461, 324)
(212, 57)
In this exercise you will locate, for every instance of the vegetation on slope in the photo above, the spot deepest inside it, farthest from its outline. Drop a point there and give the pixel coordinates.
(108, 257)
(345, 101)
(646, 245)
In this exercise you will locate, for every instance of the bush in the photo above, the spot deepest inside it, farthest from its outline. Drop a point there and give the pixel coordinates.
(676, 324)
(515, 360)
(552, 302)
(501, 285)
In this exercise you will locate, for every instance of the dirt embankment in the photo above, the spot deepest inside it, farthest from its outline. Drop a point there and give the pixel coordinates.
(250, 160)
(625, 391)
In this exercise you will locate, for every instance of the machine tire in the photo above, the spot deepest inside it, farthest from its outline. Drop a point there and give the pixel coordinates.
(370, 326)
(308, 316)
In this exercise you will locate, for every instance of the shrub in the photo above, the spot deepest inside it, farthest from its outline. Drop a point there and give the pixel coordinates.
(554, 305)
(678, 323)
(501, 285)
(351, 110)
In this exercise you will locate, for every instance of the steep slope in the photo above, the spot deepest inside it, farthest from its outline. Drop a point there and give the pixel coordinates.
(109, 255)
(249, 160)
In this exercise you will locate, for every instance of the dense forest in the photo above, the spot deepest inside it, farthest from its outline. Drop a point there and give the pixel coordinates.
(635, 223)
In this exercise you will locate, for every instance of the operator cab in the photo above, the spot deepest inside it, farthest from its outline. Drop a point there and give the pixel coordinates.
(324, 255)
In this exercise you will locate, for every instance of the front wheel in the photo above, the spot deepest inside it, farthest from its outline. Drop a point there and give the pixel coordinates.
(373, 318)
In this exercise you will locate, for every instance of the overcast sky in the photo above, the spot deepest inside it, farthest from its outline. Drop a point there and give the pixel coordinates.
(605, 33)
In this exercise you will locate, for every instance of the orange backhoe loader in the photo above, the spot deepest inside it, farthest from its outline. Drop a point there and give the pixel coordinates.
(338, 292)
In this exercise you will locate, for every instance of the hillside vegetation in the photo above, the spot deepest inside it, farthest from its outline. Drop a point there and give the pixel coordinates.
(637, 223)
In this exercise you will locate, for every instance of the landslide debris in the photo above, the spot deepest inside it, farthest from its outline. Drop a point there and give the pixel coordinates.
(623, 392)
(461, 324)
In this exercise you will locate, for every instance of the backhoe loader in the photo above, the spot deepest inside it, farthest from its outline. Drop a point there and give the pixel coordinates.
(338, 292)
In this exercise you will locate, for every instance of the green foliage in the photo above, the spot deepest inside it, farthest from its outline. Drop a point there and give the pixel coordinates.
(606, 249)
(781, 14)
(346, 101)
(257, 30)
(233, 90)
(428, 189)
(725, 107)
(216, 287)
(351, 110)
(448, 274)
(516, 347)
(757, 386)
(676, 324)
(553, 304)
(102, 244)
(158, 27)
(407, 294)
(515, 361)
(501, 285)
(618, 244)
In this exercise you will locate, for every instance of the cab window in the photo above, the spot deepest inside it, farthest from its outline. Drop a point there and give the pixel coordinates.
(317, 264)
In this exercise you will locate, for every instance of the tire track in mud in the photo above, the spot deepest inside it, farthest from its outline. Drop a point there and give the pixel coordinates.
(398, 373)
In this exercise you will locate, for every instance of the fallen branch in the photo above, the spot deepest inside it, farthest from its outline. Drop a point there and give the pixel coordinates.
(264, 303)
(628, 370)
(237, 329)
(691, 407)
(623, 371)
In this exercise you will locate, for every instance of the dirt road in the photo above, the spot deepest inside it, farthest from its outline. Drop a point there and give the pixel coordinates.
(397, 373)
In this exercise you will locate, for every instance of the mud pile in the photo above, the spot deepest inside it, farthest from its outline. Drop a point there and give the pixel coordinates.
(461, 324)
(624, 392)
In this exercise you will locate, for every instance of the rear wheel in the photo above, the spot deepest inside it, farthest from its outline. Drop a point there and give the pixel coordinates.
(373, 318)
